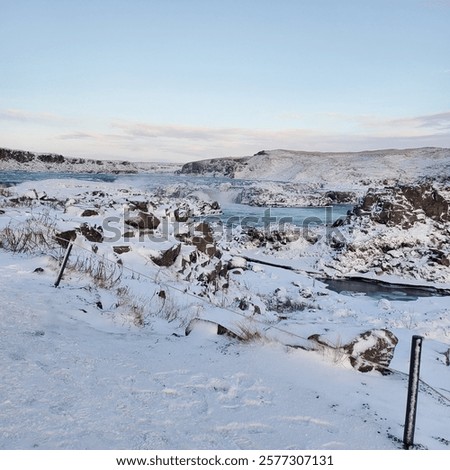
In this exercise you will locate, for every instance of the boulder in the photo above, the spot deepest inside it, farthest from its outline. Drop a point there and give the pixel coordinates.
(121, 249)
(372, 350)
(167, 258)
(89, 213)
(181, 215)
(92, 234)
(203, 240)
(341, 197)
(139, 205)
(144, 220)
(63, 238)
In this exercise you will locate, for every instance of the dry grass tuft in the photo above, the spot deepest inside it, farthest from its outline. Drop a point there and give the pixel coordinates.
(32, 236)
(248, 333)
(105, 274)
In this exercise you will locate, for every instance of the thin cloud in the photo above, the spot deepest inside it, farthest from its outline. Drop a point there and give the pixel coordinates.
(31, 117)
(78, 136)
(439, 121)
(203, 134)
(406, 126)
(147, 141)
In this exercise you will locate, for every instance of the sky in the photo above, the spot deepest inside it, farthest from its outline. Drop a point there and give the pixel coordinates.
(183, 80)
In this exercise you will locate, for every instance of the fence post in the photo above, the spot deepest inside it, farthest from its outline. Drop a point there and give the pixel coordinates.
(413, 390)
(63, 265)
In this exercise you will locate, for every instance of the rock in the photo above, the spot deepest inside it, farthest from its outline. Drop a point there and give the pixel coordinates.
(121, 249)
(208, 327)
(181, 215)
(139, 205)
(89, 213)
(273, 238)
(17, 155)
(425, 197)
(439, 257)
(341, 197)
(447, 357)
(167, 258)
(92, 234)
(205, 241)
(51, 158)
(39, 270)
(223, 166)
(63, 238)
(189, 259)
(144, 220)
(404, 205)
(372, 350)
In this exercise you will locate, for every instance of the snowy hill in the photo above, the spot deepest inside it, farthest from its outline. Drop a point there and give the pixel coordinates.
(332, 170)
(19, 160)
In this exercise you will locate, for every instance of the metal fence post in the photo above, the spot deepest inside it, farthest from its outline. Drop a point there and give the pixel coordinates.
(63, 265)
(413, 390)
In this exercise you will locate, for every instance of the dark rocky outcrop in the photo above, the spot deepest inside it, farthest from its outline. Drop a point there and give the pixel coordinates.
(341, 197)
(92, 234)
(181, 214)
(63, 238)
(89, 213)
(121, 249)
(143, 220)
(222, 166)
(404, 205)
(51, 158)
(274, 238)
(17, 155)
(139, 205)
(167, 258)
(202, 238)
(49, 162)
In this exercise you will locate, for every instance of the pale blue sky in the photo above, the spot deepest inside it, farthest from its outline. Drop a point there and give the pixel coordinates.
(188, 79)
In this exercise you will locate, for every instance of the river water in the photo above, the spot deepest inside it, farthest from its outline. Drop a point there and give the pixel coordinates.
(231, 210)
(225, 190)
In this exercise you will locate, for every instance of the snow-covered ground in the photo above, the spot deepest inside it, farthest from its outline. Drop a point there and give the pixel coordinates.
(104, 361)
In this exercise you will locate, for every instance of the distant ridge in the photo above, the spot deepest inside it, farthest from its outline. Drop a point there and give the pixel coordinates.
(21, 160)
(331, 168)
